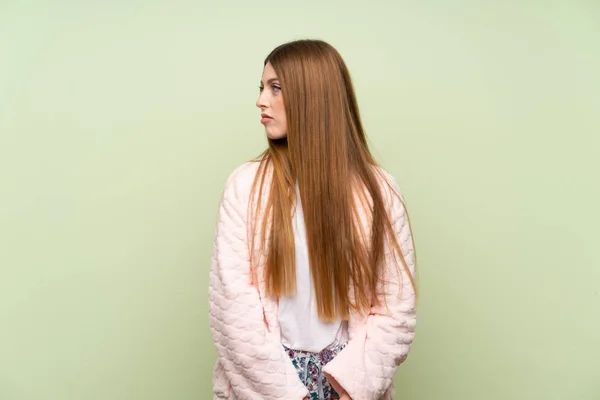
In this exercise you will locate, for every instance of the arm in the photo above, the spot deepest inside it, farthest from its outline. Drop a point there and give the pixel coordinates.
(364, 370)
(254, 362)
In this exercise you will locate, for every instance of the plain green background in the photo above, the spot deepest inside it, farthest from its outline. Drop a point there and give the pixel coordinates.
(120, 121)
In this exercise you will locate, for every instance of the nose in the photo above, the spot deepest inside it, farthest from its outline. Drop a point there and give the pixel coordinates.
(261, 102)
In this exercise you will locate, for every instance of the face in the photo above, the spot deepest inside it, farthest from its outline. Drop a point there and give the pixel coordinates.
(271, 105)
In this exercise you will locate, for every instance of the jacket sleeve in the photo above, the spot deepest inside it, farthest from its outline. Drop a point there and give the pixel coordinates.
(255, 363)
(366, 366)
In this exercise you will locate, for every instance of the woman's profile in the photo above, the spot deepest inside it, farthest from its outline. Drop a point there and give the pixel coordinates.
(312, 290)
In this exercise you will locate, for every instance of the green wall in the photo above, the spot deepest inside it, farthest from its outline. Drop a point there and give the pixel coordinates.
(120, 121)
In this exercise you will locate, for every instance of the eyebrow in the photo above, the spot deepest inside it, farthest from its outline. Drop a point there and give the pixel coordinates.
(270, 80)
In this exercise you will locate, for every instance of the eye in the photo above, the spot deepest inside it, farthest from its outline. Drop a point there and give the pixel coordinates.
(276, 88)
(261, 88)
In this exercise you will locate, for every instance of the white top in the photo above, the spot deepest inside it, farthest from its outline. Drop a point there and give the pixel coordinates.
(301, 328)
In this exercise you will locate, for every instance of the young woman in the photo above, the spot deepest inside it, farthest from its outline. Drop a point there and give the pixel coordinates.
(312, 293)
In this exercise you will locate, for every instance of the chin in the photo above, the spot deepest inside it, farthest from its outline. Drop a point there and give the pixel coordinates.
(276, 135)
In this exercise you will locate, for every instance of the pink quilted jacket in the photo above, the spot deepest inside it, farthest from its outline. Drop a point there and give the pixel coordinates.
(251, 363)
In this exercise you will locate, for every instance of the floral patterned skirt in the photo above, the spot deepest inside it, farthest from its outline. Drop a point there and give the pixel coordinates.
(310, 370)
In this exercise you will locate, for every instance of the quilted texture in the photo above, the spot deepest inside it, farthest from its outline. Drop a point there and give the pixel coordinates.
(252, 363)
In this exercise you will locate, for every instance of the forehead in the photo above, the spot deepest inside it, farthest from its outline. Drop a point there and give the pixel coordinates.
(269, 72)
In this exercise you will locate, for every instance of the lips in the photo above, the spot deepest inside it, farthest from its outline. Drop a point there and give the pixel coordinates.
(266, 118)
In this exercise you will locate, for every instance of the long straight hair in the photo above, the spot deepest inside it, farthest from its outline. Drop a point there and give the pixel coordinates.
(326, 154)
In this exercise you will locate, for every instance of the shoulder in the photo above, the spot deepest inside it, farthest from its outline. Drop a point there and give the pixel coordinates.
(239, 182)
(243, 173)
(389, 185)
(392, 196)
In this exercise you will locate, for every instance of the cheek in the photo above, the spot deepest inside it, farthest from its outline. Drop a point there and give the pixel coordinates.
(281, 110)
(277, 103)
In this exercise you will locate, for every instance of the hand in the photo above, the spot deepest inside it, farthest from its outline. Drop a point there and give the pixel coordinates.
(338, 388)
(345, 396)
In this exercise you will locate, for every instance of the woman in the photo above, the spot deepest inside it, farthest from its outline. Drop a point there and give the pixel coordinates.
(311, 286)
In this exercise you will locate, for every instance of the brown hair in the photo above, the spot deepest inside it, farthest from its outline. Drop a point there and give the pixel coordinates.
(327, 155)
